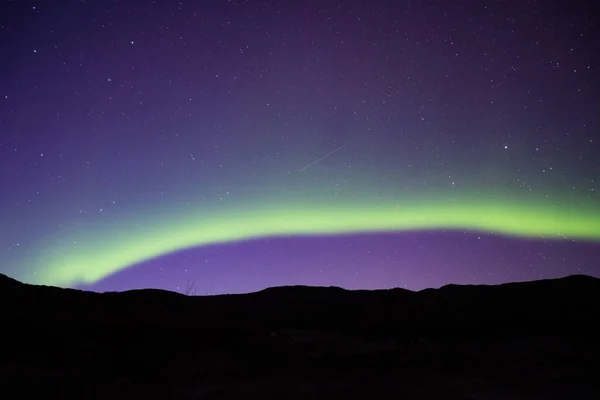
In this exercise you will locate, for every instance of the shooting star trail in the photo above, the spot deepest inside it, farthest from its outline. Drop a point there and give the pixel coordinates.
(322, 158)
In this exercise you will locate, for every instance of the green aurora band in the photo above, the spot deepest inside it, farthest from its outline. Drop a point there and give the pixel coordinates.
(92, 254)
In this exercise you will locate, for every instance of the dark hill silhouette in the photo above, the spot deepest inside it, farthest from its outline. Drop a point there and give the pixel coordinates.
(465, 342)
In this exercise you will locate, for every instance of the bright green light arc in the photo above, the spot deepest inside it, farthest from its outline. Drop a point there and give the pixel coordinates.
(110, 249)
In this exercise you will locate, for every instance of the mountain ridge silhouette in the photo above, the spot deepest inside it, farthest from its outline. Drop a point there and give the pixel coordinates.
(301, 341)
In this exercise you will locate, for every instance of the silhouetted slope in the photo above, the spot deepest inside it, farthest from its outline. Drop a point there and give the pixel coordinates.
(8, 284)
(159, 343)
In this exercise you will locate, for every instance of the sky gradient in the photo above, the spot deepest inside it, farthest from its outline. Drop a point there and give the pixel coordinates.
(246, 144)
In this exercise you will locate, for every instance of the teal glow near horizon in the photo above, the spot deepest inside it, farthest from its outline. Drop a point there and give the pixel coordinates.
(99, 251)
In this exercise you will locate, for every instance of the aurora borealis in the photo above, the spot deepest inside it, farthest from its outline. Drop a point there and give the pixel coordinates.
(251, 144)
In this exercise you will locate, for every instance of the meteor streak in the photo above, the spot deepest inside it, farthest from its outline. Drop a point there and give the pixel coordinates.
(322, 158)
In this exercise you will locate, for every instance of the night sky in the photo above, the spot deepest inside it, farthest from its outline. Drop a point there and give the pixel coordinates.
(238, 145)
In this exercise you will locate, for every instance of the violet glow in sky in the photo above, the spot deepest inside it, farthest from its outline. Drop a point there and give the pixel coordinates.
(414, 144)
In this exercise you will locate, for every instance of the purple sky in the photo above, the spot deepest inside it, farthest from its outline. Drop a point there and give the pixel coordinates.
(111, 110)
(412, 261)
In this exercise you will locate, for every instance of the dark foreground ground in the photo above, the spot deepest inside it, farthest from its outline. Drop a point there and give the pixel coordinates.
(535, 340)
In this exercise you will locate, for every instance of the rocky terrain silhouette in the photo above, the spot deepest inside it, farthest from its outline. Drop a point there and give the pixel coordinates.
(530, 340)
